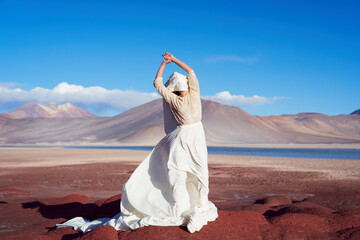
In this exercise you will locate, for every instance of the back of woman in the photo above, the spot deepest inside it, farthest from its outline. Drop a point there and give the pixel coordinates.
(171, 185)
(186, 109)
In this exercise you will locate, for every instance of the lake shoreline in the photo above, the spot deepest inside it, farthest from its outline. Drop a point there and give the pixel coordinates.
(322, 152)
(290, 145)
(45, 186)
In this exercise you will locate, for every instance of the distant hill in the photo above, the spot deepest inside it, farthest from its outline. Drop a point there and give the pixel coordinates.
(3, 119)
(143, 125)
(49, 110)
(356, 112)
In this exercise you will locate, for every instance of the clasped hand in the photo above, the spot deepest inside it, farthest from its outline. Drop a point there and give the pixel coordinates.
(168, 57)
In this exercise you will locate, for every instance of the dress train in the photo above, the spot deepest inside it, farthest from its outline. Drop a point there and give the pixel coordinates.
(169, 188)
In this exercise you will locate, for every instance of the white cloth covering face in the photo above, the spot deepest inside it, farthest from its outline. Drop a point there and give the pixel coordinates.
(177, 82)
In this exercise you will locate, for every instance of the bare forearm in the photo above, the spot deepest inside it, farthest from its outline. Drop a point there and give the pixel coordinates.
(181, 64)
(158, 83)
(161, 69)
(169, 56)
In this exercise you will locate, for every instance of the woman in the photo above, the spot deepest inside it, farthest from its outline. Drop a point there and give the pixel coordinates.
(170, 187)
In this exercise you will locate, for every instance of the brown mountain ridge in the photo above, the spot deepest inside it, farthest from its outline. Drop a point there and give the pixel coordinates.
(143, 125)
(49, 110)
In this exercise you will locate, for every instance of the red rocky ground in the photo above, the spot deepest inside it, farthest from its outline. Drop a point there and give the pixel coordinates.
(253, 203)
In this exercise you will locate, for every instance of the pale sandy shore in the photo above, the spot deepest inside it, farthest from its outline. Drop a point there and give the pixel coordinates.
(297, 145)
(49, 157)
(40, 187)
(289, 145)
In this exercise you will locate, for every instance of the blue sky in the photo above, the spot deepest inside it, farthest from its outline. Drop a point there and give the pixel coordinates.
(266, 57)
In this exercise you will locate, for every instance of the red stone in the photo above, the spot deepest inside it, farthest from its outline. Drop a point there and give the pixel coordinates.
(276, 201)
(338, 222)
(100, 233)
(242, 225)
(74, 198)
(13, 191)
(31, 237)
(260, 208)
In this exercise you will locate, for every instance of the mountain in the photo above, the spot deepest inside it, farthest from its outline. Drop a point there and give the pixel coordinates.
(3, 119)
(49, 110)
(143, 125)
(316, 127)
(226, 124)
(356, 112)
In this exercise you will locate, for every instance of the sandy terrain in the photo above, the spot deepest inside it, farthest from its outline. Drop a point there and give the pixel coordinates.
(294, 145)
(297, 145)
(282, 197)
(49, 157)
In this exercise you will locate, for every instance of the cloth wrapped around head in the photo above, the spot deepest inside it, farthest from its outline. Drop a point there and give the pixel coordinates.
(177, 82)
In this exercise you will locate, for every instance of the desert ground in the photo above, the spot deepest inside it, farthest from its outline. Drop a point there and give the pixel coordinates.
(257, 197)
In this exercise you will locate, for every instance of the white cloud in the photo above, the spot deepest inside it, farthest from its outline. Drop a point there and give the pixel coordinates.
(230, 58)
(103, 101)
(113, 99)
(9, 84)
(225, 97)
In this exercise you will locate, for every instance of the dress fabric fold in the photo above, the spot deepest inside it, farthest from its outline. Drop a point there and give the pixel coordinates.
(171, 185)
(155, 194)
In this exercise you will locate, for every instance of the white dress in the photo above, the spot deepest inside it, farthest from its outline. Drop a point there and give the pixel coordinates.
(170, 187)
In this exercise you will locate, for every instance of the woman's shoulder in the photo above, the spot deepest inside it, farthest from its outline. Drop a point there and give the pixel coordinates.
(191, 73)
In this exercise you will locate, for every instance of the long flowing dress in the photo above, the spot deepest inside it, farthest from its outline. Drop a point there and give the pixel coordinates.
(170, 187)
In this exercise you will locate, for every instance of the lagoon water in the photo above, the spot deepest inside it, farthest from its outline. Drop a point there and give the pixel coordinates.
(316, 153)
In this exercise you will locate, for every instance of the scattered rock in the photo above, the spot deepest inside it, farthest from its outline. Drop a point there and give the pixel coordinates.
(33, 237)
(338, 222)
(102, 232)
(276, 232)
(242, 225)
(112, 199)
(66, 233)
(13, 191)
(300, 207)
(238, 225)
(349, 234)
(286, 220)
(297, 226)
(310, 208)
(109, 208)
(74, 198)
(107, 200)
(302, 220)
(274, 201)
(260, 208)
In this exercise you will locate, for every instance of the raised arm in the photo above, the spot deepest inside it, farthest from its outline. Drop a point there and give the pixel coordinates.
(161, 69)
(158, 83)
(169, 56)
(193, 81)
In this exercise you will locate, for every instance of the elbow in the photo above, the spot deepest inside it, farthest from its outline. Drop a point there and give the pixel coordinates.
(156, 85)
(157, 82)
